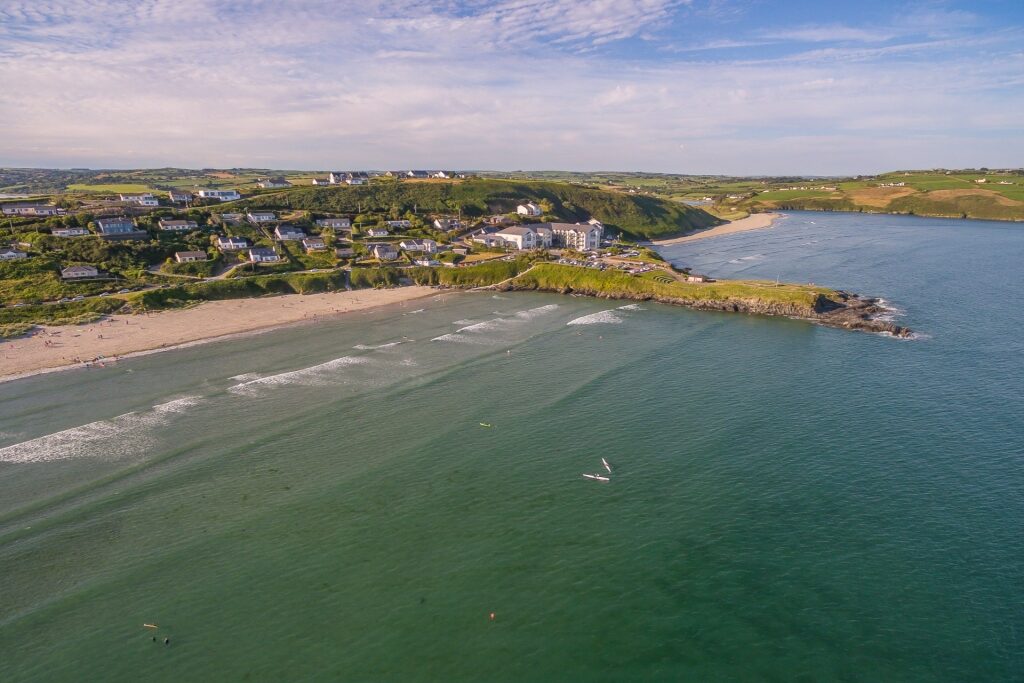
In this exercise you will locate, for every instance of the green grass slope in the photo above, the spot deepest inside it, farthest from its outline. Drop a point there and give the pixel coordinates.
(636, 215)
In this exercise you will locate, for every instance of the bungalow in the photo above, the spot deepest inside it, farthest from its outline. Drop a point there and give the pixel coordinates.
(220, 195)
(179, 196)
(271, 183)
(383, 251)
(344, 251)
(694, 277)
(12, 255)
(31, 209)
(79, 272)
(146, 199)
(69, 232)
(314, 244)
(521, 236)
(403, 223)
(115, 226)
(442, 174)
(426, 261)
(288, 232)
(261, 216)
(417, 174)
(377, 232)
(263, 255)
(334, 223)
(528, 209)
(228, 243)
(359, 178)
(177, 225)
(461, 251)
(190, 256)
(426, 246)
(498, 219)
(321, 181)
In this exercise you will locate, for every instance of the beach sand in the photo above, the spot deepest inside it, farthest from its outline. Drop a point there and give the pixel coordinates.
(54, 347)
(754, 221)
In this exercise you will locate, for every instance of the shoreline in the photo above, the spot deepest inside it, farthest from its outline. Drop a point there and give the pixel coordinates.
(755, 221)
(54, 348)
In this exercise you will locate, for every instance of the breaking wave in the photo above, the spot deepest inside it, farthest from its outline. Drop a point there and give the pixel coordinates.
(118, 437)
(600, 318)
(313, 375)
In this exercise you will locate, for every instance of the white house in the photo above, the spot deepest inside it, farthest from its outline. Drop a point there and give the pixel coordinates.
(263, 255)
(289, 232)
(78, 272)
(426, 261)
(69, 232)
(261, 216)
(521, 236)
(314, 244)
(227, 243)
(230, 218)
(528, 209)
(417, 174)
(179, 196)
(190, 256)
(426, 246)
(12, 255)
(177, 225)
(400, 224)
(345, 251)
(383, 251)
(334, 223)
(359, 178)
(321, 181)
(31, 209)
(115, 226)
(146, 199)
(442, 174)
(270, 183)
(221, 195)
(377, 232)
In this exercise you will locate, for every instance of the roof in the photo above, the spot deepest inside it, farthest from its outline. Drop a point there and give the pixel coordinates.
(516, 230)
(191, 253)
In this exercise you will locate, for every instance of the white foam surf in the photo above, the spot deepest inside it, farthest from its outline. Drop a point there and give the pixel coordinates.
(600, 318)
(123, 436)
(312, 376)
(374, 347)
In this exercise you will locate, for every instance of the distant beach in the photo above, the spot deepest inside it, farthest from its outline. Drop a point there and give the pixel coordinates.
(54, 348)
(754, 221)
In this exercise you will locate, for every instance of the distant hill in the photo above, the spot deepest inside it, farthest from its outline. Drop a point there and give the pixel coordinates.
(635, 215)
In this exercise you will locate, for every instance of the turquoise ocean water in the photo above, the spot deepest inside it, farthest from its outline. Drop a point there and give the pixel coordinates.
(788, 502)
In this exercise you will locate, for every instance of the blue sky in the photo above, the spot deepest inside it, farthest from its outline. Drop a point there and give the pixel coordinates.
(698, 86)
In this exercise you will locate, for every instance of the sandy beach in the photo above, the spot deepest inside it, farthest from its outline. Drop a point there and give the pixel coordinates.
(56, 347)
(755, 221)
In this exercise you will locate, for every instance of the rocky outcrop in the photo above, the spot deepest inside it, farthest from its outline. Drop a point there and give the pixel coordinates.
(846, 311)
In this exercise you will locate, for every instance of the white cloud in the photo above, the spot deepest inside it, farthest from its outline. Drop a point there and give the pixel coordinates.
(513, 84)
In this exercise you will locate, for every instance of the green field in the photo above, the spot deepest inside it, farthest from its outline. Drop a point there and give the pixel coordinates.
(111, 188)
